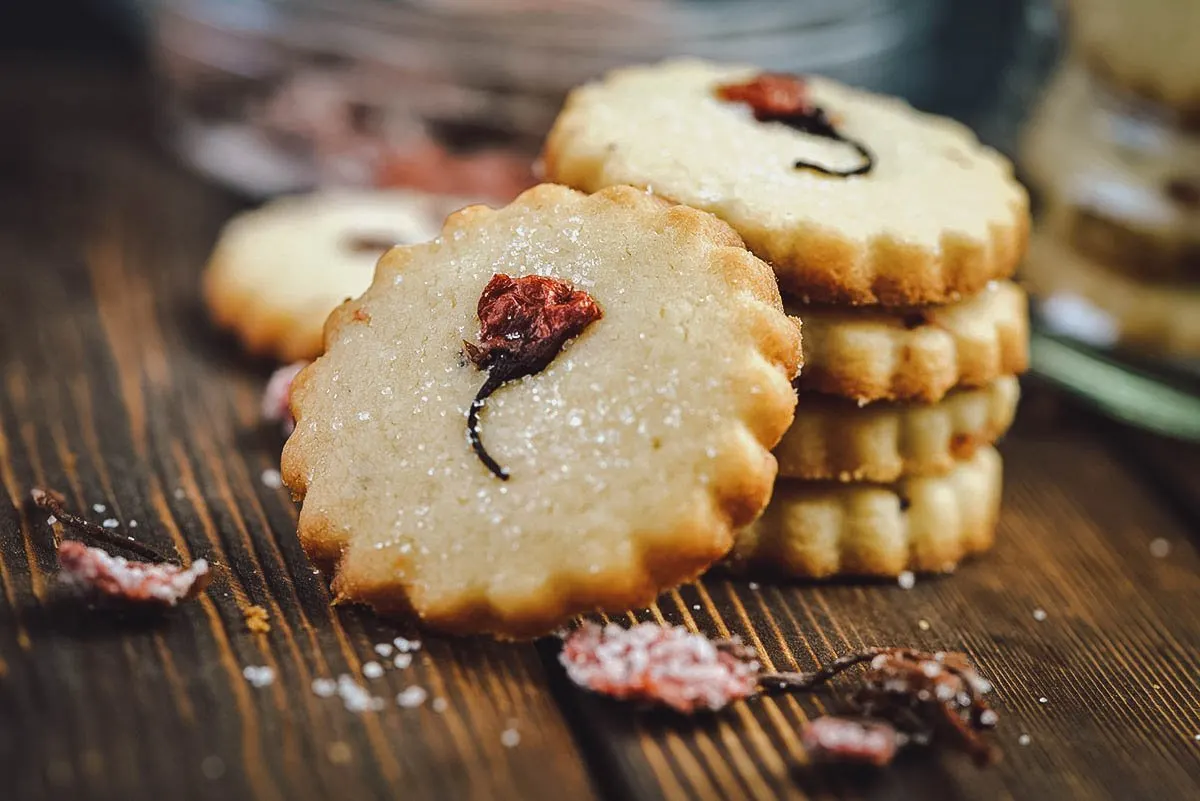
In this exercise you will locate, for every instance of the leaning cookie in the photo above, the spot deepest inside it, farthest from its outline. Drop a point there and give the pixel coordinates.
(278, 271)
(928, 524)
(852, 197)
(871, 354)
(1088, 301)
(833, 439)
(455, 464)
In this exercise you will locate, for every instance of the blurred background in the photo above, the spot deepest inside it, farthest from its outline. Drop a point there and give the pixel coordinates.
(1094, 100)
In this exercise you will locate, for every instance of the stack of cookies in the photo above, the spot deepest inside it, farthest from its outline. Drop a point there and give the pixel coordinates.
(892, 234)
(1113, 156)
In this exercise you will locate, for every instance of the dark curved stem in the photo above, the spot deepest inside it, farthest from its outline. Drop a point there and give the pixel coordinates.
(495, 380)
(867, 165)
(52, 502)
(806, 681)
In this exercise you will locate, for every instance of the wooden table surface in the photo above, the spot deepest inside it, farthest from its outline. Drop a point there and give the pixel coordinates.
(115, 390)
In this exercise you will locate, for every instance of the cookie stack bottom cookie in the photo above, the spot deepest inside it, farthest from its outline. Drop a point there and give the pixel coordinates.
(899, 473)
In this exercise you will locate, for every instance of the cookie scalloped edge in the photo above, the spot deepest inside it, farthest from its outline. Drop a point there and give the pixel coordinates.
(872, 355)
(663, 556)
(833, 440)
(819, 265)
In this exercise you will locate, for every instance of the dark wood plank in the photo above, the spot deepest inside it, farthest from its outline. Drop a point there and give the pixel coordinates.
(115, 390)
(1117, 657)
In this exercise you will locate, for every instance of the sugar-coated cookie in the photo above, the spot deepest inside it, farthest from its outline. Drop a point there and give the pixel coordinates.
(919, 211)
(835, 439)
(927, 524)
(1150, 48)
(596, 475)
(871, 354)
(1090, 302)
(279, 270)
(1123, 189)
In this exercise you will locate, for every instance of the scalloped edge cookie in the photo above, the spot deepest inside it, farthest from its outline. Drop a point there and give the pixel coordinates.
(873, 239)
(832, 439)
(821, 530)
(1148, 48)
(277, 271)
(1090, 302)
(872, 354)
(441, 548)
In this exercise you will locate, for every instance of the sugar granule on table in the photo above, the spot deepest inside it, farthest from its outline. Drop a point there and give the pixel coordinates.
(259, 675)
(271, 478)
(411, 697)
(1039, 614)
(1160, 548)
(372, 670)
(907, 580)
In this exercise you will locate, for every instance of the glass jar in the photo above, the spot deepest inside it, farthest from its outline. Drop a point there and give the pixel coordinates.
(273, 96)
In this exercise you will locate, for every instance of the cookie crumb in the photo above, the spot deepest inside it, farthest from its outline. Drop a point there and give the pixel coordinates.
(271, 478)
(923, 624)
(339, 753)
(355, 697)
(411, 697)
(259, 675)
(213, 767)
(1024, 739)
(1160, 548)
(256, 619)
(1039, 614)
(907, 580)
(510, 738)
(372, 670)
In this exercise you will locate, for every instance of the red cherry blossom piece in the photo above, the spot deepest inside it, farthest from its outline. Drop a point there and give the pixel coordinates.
(664, 665)
(138, 582)
(523, 324)
(277, 396)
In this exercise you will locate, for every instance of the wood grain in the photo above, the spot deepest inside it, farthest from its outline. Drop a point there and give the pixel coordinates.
(115, 390)
(1117, 657)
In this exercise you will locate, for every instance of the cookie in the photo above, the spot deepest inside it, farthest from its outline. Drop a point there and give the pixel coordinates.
(1082, 299)
(279, 270)
(872, 353)
(1149, 48)
(833, 438)
(927, 524)
(1123, 190)
(916, 210)
(589, 479)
